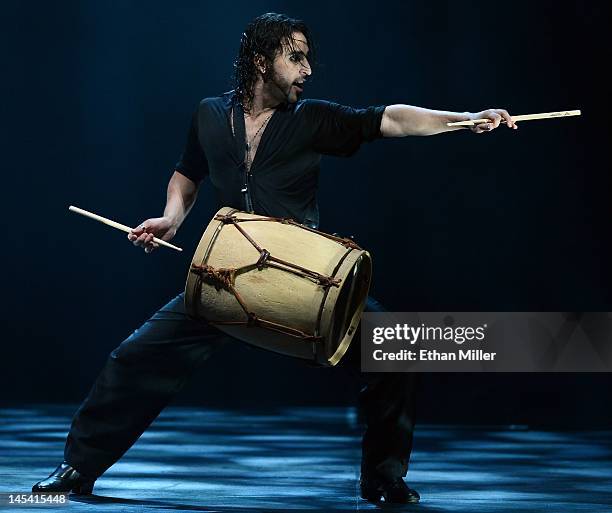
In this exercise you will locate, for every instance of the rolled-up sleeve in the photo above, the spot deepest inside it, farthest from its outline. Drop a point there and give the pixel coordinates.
(340, 130)
(193, 163)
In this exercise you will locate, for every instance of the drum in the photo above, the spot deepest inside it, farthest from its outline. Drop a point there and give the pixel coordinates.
(279, 285)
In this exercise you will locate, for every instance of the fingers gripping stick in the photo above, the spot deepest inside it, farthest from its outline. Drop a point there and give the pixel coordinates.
(522, 117)
(118, 226)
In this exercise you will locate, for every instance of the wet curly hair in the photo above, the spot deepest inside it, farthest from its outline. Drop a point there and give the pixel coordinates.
(264, 36)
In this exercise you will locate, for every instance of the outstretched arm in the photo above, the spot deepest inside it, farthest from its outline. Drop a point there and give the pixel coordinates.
(403, 120)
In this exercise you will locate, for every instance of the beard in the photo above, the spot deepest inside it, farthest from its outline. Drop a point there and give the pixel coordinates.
(282, 89)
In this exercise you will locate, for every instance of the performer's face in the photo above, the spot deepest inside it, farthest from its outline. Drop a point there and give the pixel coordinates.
(290, 70)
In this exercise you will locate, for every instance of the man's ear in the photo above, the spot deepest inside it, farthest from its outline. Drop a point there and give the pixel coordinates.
(260, 64)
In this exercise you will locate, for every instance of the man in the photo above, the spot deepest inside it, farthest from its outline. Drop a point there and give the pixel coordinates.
(261, 149)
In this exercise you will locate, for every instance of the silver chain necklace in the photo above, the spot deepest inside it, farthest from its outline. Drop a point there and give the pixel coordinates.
(249, 144)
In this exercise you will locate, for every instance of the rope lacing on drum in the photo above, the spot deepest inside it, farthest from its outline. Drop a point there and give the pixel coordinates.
(219, 278)
(265, 258)
(328, 281)
(232, 219)
(224, 278)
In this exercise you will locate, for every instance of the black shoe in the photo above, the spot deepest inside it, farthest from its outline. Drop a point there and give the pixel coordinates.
(391, 491)
(65, 479)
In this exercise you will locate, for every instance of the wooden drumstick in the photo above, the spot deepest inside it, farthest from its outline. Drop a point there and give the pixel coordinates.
(118, 226)
(523, 117)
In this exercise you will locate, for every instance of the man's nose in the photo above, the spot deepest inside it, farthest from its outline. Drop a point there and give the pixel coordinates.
(306, 69)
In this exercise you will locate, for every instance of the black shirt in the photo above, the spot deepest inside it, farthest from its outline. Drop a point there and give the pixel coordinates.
(284, 174)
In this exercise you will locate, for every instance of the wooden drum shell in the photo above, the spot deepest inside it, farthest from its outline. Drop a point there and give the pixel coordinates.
(321, 318)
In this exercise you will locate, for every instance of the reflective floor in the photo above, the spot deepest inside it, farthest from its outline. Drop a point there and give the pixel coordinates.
(307, 459)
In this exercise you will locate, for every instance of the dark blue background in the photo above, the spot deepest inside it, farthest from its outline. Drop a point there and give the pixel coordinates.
(96, 107)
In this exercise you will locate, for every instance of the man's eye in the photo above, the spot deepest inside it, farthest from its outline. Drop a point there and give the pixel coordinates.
(296, 58)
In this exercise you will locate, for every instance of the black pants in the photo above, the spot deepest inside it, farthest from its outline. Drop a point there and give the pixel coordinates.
(146, 371)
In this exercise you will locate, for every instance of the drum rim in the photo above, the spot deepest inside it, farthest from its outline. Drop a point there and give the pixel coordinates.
(350, 261)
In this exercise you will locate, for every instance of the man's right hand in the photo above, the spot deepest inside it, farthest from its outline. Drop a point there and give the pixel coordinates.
(161, 227)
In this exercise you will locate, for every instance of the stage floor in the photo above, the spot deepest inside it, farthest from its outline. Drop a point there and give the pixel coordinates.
(307, 459)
